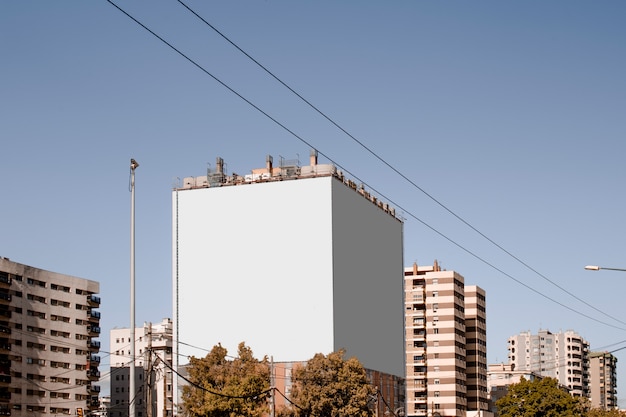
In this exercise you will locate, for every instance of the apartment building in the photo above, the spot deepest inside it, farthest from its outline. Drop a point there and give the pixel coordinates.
(476, 348)
(294, 260)
(603, 380)
(438, 369)
(563, 356)
(500, 376)
(153, 359)
(49, 359)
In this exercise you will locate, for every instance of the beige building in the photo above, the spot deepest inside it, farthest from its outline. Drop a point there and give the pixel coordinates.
(603, 380)
(476, 348)
(563, 356)
(153, 359)
(438, 312)
(500, 376)
(48, 352)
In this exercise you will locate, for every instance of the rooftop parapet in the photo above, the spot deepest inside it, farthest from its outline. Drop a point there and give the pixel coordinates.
(287, 170)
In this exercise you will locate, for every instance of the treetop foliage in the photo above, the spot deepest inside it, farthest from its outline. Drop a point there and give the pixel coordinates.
(329, 386)
(222, 387)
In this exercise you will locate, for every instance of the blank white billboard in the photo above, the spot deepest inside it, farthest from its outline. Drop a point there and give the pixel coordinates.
(292, 268)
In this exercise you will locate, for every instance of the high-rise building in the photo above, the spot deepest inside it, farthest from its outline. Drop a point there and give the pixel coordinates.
(153, 359)
(476, 348)
(48, 348)
(294, 260)
(445, 363)
(603, 380)
(563, 356)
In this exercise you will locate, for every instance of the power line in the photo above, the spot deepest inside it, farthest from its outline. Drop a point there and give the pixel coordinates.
(379, 193)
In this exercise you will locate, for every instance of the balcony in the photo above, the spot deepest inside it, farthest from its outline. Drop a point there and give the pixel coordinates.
(93, 344)
(93, 388)
(93, 373)
(93, 299)
(5, 296)
(94, 358)
(5, 278)
(93, 329)
(93, 314)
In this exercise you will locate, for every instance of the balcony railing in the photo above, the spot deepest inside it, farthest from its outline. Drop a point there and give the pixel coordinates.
(93, 329)
(93, 314)
(94, 373)
(91, 298)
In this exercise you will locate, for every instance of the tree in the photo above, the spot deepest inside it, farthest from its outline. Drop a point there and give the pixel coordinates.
(330, 386)
(541, 397)
(597, 412)
(220, 387)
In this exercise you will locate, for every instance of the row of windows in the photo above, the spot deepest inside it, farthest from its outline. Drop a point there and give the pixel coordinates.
(58, 333)
(43, 284)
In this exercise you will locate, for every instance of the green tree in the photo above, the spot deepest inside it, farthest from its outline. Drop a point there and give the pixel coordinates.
(597, 412)
(220, 387)
(330, 386)
(541, 397)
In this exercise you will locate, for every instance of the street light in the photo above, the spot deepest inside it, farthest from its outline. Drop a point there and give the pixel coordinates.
(131, 385)
(597, 268)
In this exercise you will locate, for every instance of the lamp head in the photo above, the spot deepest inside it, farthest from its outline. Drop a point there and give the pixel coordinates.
(592, 268)
(133, 164)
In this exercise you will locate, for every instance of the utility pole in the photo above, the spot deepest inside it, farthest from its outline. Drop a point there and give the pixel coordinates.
(272, 389)
(149, 374)
(132, 391)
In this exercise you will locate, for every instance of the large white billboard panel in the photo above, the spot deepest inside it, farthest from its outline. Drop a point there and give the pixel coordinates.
(253, 263)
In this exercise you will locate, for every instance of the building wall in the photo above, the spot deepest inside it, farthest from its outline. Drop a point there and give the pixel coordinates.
(310, 257)
(476, 347)
(563, 356)
(603, 380)
(48, 349)
(152, 341)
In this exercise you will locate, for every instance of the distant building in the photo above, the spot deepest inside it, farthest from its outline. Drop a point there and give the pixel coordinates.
(563, 356)
(500, 377)
(390, 387)
(603, 380)
(153, 358)
(446, 368)
(294, 260)
(48, 349)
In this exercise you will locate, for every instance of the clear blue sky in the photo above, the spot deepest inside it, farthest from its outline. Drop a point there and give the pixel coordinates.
(510, 114)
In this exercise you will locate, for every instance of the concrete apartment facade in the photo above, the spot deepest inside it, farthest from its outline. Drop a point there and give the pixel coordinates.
(603, 380)
(500, 376)
(476, 347)
(49, 358)
(153, 359)
(437, 343)
(287, 245)
(563, 356)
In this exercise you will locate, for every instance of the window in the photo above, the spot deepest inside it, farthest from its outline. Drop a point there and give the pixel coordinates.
(436, 381)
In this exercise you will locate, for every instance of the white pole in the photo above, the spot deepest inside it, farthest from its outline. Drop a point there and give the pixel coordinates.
(131, 388)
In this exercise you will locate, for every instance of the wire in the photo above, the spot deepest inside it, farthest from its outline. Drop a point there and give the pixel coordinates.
(278, 123)
(220, 394)
(395, 170)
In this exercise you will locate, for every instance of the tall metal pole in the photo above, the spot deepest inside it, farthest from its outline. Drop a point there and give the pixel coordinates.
(132, 391)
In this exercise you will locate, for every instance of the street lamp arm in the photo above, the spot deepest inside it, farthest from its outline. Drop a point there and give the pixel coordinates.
(597, 268)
